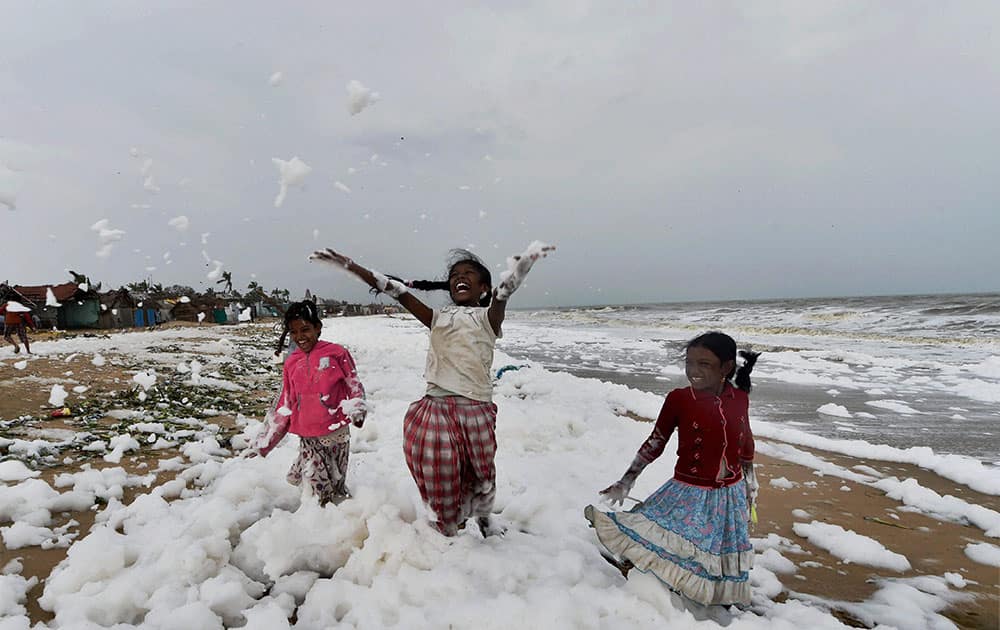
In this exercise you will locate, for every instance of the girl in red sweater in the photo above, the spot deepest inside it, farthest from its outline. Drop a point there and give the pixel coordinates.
(320, 398)
(692, 533)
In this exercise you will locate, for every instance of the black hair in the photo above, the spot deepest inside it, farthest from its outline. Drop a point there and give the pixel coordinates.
(724, 347)
(305, 310)
(455, 257)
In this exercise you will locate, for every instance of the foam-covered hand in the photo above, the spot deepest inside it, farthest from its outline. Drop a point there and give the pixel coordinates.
(358, 418)
(518, 267)
(618, 491)
(329, 256)
(356, 409)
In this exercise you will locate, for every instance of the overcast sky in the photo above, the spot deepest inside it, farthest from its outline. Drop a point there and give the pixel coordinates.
(672, 151)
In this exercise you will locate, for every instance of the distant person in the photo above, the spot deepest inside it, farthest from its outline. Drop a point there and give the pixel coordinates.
(321, 396)
(16, 319)
(692, 533)
(449, 435)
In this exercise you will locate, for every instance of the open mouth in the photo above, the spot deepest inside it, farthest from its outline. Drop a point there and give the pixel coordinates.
(462, 286)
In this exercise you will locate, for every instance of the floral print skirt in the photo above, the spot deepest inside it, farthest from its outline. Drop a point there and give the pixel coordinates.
(322, 463)
(694, 539)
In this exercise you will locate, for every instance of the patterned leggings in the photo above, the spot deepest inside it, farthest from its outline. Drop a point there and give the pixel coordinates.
(322, 463)
(450, 446)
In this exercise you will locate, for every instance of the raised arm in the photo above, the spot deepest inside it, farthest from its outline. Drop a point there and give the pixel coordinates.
(377, 281)
(518, 267)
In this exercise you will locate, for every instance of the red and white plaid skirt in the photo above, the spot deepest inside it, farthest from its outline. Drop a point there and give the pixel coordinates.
(450, 446)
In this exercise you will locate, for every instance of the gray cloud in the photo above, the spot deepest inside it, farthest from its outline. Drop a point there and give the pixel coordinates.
(671, 151)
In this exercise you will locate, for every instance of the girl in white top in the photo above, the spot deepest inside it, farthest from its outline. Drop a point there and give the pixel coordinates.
(449, 434)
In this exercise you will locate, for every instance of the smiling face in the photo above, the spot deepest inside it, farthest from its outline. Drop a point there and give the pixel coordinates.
(704, 370)
(466, 284)
(304, 333)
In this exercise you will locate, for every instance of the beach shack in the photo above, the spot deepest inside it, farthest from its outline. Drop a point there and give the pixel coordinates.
(189, 310)
(147, 312)
(76, 306)
(117, 309)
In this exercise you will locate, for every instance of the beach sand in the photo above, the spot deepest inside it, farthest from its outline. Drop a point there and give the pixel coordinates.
(933, 547)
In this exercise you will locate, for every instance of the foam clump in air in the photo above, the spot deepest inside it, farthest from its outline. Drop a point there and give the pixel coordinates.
(359, 97)
(108, 236)
(179, 223)
(216, 273)
(290, 173)
(8, 187)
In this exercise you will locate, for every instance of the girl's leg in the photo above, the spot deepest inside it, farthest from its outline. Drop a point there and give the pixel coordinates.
(22, 333)
(478, 425)
(434, 455)
(9, 338)
(317, 466)
(341, 454)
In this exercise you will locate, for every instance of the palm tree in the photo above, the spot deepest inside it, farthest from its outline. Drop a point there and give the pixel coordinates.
(227, 277)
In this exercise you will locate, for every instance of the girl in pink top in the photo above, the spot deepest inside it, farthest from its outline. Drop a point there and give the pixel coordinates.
(320, 398)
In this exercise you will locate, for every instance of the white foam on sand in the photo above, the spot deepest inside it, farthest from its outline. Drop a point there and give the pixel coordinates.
(984, 553)
(238, 543)
(851, 546)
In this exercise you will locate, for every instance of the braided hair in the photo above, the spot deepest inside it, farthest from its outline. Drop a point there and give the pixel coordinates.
(724, 347)
(455, 257)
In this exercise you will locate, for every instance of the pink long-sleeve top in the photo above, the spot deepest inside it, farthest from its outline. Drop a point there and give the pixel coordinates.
(313, 387)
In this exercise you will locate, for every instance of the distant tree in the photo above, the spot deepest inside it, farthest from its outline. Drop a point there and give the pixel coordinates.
(227, 278)
(79, 278)
(138, 287)
(281, 295)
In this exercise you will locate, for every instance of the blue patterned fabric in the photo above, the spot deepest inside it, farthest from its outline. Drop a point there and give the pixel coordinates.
(714, 520)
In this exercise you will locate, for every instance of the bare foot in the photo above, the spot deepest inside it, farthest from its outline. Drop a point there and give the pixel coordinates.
(488, 528)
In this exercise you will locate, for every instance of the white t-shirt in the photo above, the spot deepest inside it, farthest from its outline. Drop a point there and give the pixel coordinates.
(460, 356)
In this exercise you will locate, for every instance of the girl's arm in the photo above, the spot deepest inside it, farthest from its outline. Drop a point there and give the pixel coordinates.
(376, 280)
(650, 450)
(354, 406)
(496, 313)
(518, 267)
(277, 420)
(749, 475)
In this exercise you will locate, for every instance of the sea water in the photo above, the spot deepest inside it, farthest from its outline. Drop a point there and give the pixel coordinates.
(900, 370)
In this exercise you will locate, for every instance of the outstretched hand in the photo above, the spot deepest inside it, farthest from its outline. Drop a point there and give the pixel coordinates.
(617, 492)
(518, 267)
(327, 255)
